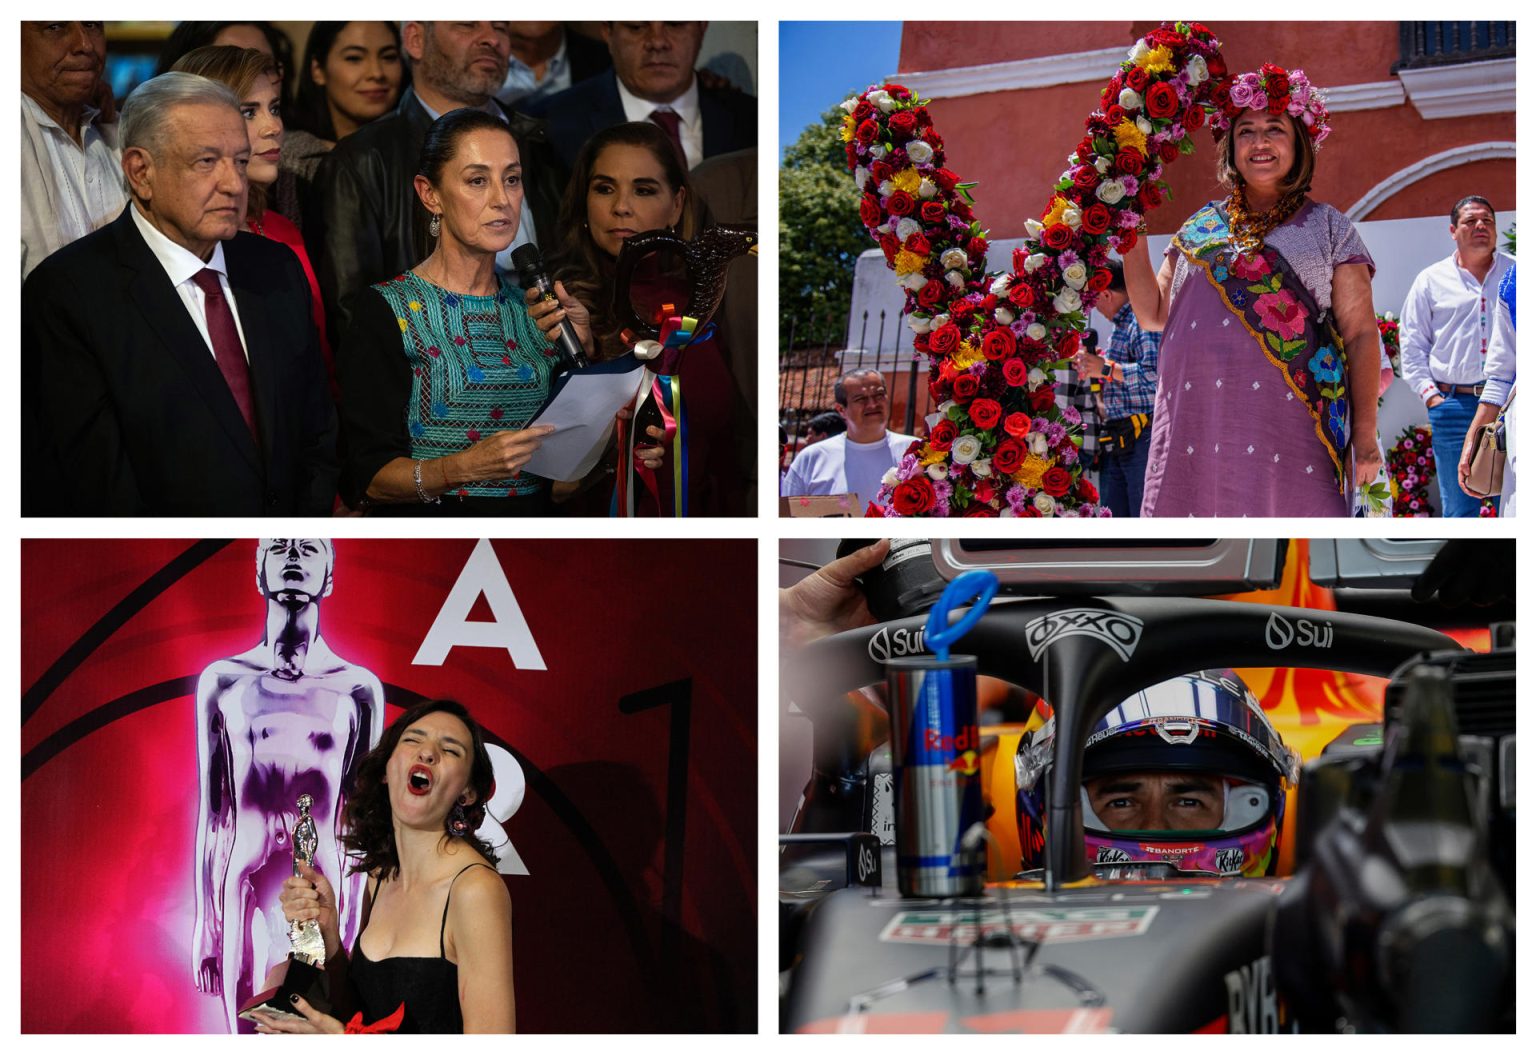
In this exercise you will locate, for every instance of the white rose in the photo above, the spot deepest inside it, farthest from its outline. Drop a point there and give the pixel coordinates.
(937, 471)
(1102, 164)
(919, 152)
(1037, 444)
(1143, 125)
(1110, 191)
(861, 177)
(1045, 503)
(890, 479)
(885, 189)
(1140, 51)
(939, 320)
(1129, 100)
(883, 100)
(1035, 332)
(955, 278)
(1197, 71)
(1007, 511)
(906, 227)
(1034, 262)
(942, 410)
(877, 151)
(1033, 228)
(953, 258)
(1071, 217)
(915, 281)
(1075, 276)
(1003, 316)
(1067, 301)
(849, 105)
(927, 189)
(918, 323)
(1000, 285)
(1036, 377)
(982, 467)
(965, 449)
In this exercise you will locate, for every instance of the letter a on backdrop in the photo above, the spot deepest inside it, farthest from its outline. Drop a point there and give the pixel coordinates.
(482, 574)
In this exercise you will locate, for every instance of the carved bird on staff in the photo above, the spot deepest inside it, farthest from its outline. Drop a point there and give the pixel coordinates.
(705, 257)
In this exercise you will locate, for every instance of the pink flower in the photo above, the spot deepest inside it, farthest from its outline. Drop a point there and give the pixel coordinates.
(1249, 267)
(1281, 313)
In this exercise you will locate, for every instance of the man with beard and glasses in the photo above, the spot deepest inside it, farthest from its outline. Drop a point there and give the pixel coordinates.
(366, 225)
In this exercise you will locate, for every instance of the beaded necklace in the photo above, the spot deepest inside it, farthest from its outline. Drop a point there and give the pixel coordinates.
(1248, 230)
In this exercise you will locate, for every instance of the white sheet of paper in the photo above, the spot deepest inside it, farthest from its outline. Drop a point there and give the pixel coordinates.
(582, 413)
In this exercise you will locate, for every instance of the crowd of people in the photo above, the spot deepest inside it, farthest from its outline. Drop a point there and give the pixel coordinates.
(1244, 374)
(235, 303)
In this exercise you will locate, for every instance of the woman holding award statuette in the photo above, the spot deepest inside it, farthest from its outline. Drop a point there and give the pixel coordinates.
(435, 951)
(1267, 386)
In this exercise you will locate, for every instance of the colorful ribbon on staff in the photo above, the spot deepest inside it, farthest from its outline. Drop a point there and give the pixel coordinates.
(677, 332)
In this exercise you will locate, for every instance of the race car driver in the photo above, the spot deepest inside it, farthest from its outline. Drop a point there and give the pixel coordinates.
(1188, 772)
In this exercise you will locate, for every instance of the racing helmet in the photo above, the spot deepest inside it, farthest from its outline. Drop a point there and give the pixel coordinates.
(1208, 722)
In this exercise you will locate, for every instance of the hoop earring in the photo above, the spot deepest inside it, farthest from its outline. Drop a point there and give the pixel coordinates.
(435, 228)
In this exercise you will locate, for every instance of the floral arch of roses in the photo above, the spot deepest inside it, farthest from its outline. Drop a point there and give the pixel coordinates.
(1001, 446)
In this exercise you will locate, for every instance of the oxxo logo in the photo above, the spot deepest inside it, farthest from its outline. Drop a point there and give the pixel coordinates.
(1120, 632)
(1280, 632)
(891, 644)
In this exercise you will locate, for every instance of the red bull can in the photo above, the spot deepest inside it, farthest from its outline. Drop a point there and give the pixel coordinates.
(936, 764)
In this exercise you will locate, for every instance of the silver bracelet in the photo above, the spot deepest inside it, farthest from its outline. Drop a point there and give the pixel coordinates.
(421, 492)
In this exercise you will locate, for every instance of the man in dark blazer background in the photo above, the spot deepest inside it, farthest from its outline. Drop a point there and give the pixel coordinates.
(652, 79)
(170, 367)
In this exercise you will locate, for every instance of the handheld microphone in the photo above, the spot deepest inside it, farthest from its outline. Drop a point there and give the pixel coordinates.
(532, 274)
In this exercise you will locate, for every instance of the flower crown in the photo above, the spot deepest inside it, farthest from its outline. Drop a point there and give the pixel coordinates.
(1276, 91)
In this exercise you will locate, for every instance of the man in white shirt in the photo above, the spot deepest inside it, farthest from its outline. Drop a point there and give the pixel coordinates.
(854, 461)
(71, 179)
(1446, 323)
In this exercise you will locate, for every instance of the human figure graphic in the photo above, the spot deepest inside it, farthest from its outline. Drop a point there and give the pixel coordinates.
(287, 718)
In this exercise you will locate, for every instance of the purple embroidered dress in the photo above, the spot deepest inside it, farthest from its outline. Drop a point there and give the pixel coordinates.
(1232, 434)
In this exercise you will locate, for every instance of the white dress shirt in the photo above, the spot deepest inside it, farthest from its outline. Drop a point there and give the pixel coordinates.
(685, 106)
(77, 188)
(180, 265)
(1446, 323)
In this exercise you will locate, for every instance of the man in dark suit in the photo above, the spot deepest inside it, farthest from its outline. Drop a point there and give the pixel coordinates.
(652, 79)
(366, 223)
(170, 367)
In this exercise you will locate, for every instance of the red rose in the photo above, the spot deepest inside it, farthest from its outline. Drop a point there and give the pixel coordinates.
(1221, 95)
(1216, 65)
(1114, 115)
(1015, 372)
(1099, 280)
(965, 387)
(977, 248)
(904, 124)
(1136, 78)
(931, 293)
(913, 497)
(890, 247)
(1056, 482)
(985, 491)
(1086, 491)
(943, 435)
(932, 212)
(1169, 152)
(988, 303)
(866, 132)
(1017, 424)
(1057, 236)
(1042, 399)
(1127, 242)
(985, 413)
(1194, 118)
(1085, 148)
(1096, 218)
(1149, 197)
(852, 154)
(998, 344)
(1008, 456)
(1067, 346)
(1129, 161)
(919, 245)
(869, 211)
(1278, 103)
(945, 339)
(920, 115)
(900, 203)
(946, 179)
(1085, 177)
(863, 110)
(880, 171)
(962, 309)
(978, 510)
(1022, 295)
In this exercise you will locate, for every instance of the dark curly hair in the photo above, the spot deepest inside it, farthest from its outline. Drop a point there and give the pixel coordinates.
(370, 830)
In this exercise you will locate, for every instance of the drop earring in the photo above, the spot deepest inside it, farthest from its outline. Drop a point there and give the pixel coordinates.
(458, 820)
(435, 228)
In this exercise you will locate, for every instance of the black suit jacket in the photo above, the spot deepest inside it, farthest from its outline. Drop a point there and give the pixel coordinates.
(366, 223)
(574, 115)
(125, 412)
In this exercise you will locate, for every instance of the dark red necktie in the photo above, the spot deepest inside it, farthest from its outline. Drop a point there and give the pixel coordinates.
(227, 349)
(672, 125)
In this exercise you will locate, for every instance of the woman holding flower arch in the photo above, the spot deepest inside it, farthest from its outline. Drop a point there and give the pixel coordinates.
(1266, 402)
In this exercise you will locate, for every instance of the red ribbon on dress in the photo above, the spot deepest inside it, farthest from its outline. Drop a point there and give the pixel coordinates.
(388, 1024)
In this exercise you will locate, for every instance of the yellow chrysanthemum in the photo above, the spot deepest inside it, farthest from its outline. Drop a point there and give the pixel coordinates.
(1128, 135)
(1158, 60)
(907, 262)
(968, 354)
(1059, 206)
(1032, 472)
(908, 180)
(931, 457)
(847, 130)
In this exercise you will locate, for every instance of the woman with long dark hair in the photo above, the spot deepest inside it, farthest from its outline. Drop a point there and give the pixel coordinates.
(435, 951)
